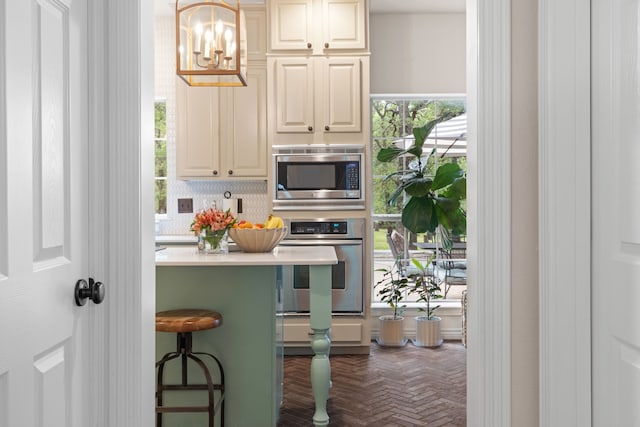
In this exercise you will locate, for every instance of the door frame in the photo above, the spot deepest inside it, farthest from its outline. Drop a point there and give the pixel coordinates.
(121, 112)
(489, 212)
(564, 222)
(122, 117)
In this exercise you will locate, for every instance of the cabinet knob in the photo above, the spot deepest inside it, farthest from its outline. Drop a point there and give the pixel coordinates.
(215, 172)
(310, 128)
(309, 45)
(326, 45)
(230, 172)
(326, 128)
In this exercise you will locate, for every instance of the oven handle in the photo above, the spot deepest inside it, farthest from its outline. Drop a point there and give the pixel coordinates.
(321, 242)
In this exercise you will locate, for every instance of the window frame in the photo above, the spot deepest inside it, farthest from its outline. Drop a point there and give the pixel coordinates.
(396, 217)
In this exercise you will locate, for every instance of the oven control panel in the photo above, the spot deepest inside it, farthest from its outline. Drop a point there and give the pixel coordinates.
(318, 227)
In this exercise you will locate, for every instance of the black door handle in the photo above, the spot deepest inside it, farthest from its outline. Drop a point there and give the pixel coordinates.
(92, 290)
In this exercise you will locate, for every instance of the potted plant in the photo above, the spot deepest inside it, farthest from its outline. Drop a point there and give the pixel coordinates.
(427, 287)
(432, 201)
(391, 288)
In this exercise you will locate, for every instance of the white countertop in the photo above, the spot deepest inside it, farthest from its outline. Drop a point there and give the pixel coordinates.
(281, 255)
(173, 239)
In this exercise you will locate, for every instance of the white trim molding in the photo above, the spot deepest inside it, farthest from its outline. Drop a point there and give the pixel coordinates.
(564, 212)
(489, 219)
(125, 40)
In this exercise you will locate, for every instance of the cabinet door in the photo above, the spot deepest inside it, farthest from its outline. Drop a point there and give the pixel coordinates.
(343, 24)
(294, 95)
(342, 95)
(291, 23)
(198, 140)
(246, 148)
(256, 21)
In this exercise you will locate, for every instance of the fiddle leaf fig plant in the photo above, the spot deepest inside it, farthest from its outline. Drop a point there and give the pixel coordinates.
(433, 201)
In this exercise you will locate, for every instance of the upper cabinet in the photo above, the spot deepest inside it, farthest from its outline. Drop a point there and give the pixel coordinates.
(318, 95)
(222, 132)
(317, 26)
(256, 19)
(197, 131)
(246, 127)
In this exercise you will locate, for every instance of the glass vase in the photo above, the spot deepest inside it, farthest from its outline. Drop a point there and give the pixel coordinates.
(213, 242)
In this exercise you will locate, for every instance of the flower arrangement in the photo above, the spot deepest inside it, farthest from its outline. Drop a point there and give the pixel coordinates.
(212, 219)
(211, 225)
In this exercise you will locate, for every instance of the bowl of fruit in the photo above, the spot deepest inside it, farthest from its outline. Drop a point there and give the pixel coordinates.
(258, 237)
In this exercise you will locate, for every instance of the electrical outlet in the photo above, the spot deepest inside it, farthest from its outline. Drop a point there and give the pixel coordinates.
(185, 205)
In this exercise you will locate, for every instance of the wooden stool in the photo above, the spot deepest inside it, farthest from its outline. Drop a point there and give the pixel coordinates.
(184, 322)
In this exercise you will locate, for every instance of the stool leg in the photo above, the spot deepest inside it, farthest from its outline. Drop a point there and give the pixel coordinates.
(222, 390)
(184, 351)
(210, 387)
(159, 388)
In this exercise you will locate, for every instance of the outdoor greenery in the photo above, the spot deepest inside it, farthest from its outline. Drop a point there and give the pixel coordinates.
(161, 157)
(402, 171)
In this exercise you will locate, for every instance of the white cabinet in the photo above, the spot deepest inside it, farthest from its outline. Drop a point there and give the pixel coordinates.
(198, 131)
(246, 131)
(222, 132)
(317, 26)
(318, 95)
(256, 20)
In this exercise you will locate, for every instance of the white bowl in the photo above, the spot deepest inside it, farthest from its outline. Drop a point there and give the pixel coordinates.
(257, 239)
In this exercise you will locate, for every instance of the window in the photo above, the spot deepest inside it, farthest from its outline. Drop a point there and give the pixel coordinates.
(392, 121)
(161, 157)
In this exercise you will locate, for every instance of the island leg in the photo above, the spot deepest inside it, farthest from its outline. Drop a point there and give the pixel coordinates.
(320, 292)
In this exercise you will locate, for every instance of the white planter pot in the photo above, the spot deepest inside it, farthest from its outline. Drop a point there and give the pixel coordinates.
(391, 331)
(427, 332)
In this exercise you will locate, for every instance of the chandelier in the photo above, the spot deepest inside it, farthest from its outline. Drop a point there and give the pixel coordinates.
(211, 43)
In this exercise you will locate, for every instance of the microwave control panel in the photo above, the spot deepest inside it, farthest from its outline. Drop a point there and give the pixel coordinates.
(353, 176)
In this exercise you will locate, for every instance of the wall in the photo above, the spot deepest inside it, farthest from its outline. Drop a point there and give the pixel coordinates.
(524, 214)
(394, 41)
(418, 53)
(253, 193)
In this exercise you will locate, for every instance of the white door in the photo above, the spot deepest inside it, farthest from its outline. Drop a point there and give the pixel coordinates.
(43, 213)
(616, 212)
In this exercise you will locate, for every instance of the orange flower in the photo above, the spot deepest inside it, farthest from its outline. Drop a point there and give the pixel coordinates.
(212, 220)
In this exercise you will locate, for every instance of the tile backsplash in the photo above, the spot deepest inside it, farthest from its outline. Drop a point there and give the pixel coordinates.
(254, 195)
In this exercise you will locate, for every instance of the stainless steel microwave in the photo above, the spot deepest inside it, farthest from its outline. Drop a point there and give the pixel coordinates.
(318, 177)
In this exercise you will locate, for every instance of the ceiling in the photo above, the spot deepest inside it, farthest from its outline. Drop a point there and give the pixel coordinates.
(163, 7)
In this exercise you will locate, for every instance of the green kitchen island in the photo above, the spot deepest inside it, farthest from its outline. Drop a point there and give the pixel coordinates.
(246, 289)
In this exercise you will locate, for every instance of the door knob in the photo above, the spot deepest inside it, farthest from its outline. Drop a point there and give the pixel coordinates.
(92, 290)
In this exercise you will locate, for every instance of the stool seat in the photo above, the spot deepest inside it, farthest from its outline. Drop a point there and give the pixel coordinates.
(187, 320)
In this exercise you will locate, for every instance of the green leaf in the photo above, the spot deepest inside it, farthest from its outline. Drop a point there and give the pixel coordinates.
(445, 175)
(389, 153)
(457, 189)
(447, 205)
(418, 187)
(417, 215)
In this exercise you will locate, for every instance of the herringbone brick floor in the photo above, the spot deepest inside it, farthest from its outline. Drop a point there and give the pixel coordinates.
(391, 387)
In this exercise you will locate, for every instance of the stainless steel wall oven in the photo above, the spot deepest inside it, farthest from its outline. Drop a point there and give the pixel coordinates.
(346, 236)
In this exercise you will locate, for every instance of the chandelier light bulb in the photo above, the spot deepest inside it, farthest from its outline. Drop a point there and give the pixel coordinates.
(208, 36)
(196, 44)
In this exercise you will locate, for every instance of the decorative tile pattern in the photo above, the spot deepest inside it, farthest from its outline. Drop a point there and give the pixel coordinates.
(255, 200)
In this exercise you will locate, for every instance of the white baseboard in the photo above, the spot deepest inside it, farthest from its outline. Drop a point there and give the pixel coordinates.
(449, 312)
